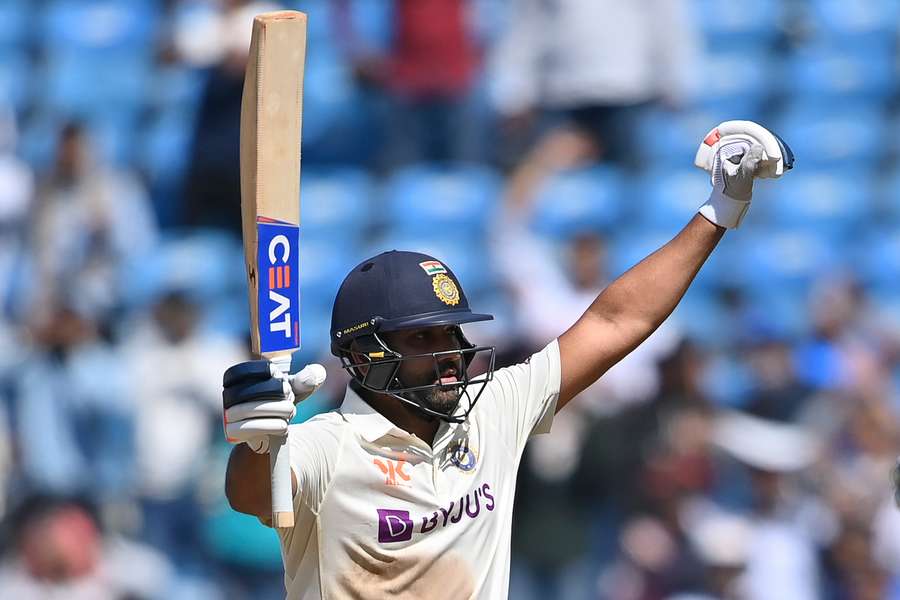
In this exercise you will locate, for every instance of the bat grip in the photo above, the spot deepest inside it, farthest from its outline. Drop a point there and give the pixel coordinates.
(280, 467)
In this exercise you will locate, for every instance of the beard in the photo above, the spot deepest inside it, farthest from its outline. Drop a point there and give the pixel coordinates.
(439, 400)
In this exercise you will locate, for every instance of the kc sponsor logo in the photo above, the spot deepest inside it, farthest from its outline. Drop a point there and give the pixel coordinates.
(399, 526)
(393, 470)
(277, 263)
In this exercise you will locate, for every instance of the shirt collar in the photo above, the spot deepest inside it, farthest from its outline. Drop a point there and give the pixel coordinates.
(372, 425)
(369, 422)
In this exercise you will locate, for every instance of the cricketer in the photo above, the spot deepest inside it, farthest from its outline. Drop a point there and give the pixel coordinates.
(406, 490)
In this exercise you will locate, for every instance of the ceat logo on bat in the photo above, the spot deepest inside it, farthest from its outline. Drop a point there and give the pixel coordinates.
(277, 266)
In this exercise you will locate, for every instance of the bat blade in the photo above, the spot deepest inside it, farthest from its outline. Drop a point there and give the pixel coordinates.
(271, 122)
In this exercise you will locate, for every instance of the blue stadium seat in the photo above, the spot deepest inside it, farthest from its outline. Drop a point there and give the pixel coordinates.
(15, 79)
(205, 263)
(732, 25)
(100, 26)
(37, 142)
(667, 199)
(177, 88)
(427, 198)
(315, 336)
(822, 201)
(323, 265)
(579, 200)
(869, 23)
(782, 260)
(739, 82)
(328, 94)
(165, 147)
(878, 260)
(826, 75)
(888, 206)
(336, 204)
(90, 85)
(676, 135)
(845, 136)
(14, 20)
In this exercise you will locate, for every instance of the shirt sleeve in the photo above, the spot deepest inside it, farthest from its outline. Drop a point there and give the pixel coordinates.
(524, 396)
(314, 447)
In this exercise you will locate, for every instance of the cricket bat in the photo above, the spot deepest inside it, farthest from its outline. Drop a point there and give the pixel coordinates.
(271, 121)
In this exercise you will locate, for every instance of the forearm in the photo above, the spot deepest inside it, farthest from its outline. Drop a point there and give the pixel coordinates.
(644, 296)
(248, 484)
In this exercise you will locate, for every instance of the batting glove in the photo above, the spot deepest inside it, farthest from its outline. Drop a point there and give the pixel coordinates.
(735, 153)
(259, 400)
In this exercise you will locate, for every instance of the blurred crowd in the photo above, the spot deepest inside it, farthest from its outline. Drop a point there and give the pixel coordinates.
(540, 148)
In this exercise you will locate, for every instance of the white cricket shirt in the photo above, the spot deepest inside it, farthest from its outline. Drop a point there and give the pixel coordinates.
(381, 514)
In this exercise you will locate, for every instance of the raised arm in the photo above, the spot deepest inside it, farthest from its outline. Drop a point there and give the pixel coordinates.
(635, 304)
(632, 307)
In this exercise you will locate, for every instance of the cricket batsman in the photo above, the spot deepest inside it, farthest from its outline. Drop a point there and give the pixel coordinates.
(406, 490)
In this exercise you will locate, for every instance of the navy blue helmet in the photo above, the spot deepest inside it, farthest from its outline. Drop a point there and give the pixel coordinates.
(404, 290)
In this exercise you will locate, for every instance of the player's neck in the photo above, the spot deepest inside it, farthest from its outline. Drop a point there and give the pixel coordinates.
(402, 415)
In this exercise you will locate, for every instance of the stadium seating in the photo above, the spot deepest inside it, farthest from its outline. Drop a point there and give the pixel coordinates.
(336, 204)
(14, 16)
(99, 27)
(739, 82)
(848, 136)
(95, 86)
(323, 265)
(15, 79)
(207, 264)
(824, 202)
(734, 25)
(784, 260)
(429, 199)
(826, 76)
(579, 200)
(861, 23)
(878, 260)
(665, 199)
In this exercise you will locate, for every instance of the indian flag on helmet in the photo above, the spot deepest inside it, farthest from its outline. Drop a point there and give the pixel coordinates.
(432, 267)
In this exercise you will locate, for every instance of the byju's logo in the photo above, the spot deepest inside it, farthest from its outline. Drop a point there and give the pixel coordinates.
(392, 469)
(399, 526)
(279, 293)
(394, 526)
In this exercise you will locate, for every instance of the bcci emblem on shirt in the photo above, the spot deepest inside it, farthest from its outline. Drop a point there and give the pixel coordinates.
(462, 456)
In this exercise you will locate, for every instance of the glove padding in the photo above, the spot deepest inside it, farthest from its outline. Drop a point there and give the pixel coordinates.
(735, 153)
(259, 400)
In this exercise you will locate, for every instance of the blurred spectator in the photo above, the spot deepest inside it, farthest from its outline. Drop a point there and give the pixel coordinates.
(213, 185)
(72, 411)
(177, 402)
(89, 220)
(57, 549)
(426, 74)
(598, 64)
(16, 200)
(781, 558)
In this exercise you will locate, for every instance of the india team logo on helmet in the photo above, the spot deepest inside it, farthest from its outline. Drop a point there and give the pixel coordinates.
(446, 290)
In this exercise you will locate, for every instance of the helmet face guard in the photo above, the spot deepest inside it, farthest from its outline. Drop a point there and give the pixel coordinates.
(383, 367)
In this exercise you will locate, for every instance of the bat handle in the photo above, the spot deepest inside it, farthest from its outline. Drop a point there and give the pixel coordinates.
(280, 466)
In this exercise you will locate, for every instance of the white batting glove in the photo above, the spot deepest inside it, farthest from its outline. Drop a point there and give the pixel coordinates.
(259, 400)
(735, 153)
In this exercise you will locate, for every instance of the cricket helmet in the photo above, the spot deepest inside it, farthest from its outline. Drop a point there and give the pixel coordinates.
(400, 290)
